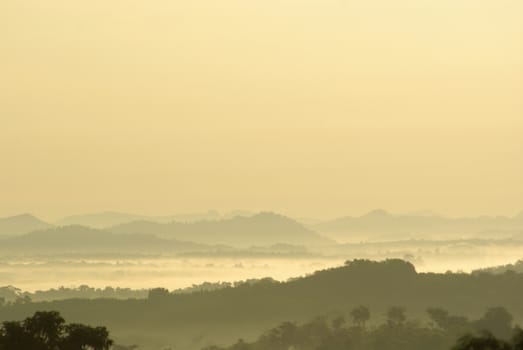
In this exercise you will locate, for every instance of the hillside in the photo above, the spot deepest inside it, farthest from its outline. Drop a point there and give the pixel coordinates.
(259, 230)
(82, 239)
(20, 224)
(109, 218)
(381, 225)
(191, 321)
(516, 267)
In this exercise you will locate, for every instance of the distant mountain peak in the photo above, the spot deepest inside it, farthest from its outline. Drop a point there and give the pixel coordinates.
(261, 229)
(20, 224)
(22, 217)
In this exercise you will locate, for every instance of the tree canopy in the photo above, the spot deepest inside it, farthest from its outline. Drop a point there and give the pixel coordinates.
(47, 330)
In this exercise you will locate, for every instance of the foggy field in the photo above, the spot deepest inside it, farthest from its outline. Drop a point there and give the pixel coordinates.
(176, 272)
(36, 255)
(144, 273)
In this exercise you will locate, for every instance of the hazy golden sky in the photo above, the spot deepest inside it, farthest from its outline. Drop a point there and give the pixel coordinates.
(310, 108)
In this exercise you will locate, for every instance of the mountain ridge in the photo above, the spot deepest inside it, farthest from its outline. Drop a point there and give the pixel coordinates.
(80, 238)
(21, 224)
(379, 224)
(260, 229)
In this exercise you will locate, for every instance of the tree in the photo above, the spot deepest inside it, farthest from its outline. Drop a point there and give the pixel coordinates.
(13, 336)
(240, 345)
(517, 339)
(484, 341)
(158, 294)
(360, 315)
(25, 299)
(282, 336)
(396, 315)
(498, 321)
(80, 336)
(441, 318)
(47, 327)
(338, 323)
(48, 331)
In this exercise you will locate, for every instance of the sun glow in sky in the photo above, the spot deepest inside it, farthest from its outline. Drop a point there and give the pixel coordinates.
(310, 108)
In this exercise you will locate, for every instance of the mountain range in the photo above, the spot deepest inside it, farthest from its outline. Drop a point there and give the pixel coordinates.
(258, 230)
(111, 218)
(80, 239)
(246, 229)
(381, 225)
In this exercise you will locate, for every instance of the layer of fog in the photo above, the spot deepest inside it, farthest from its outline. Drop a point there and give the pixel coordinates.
(175, 272)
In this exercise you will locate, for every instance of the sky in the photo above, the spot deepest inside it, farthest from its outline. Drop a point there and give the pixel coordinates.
(309, 108)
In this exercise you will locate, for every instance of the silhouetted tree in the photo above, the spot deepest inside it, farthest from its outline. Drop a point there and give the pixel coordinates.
(47, 327)
(517, 339)
(80, 336)
(280, 337)
(498, 321)
(360, 315)
(48, 331)
(484, 341)
(338, 323)
(13, 336)
(25, 299)
(240, 345)
(441, 318)
(324, 334)
(158, 294)
(396, 315)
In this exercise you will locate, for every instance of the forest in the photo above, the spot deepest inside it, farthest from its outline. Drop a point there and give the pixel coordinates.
(49, 331)
(493, 331)
(221, 316)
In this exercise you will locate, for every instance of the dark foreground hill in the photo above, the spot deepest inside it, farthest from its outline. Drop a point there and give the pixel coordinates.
(191, 321)
(258, 230)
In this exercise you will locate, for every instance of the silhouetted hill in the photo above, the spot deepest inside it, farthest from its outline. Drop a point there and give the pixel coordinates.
(261, 230)
(109, 218)
(221, 316)
(82, 239)
(381, 225)
(100, 220)
(20, 224)
(516, 267)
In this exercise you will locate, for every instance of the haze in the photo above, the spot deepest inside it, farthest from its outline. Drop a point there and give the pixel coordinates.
(310, 108)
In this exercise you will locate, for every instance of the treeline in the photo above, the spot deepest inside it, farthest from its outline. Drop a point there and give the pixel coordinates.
(47, 330)
(517, 267)
(493, 331)
(10, 295)
(13, 295)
